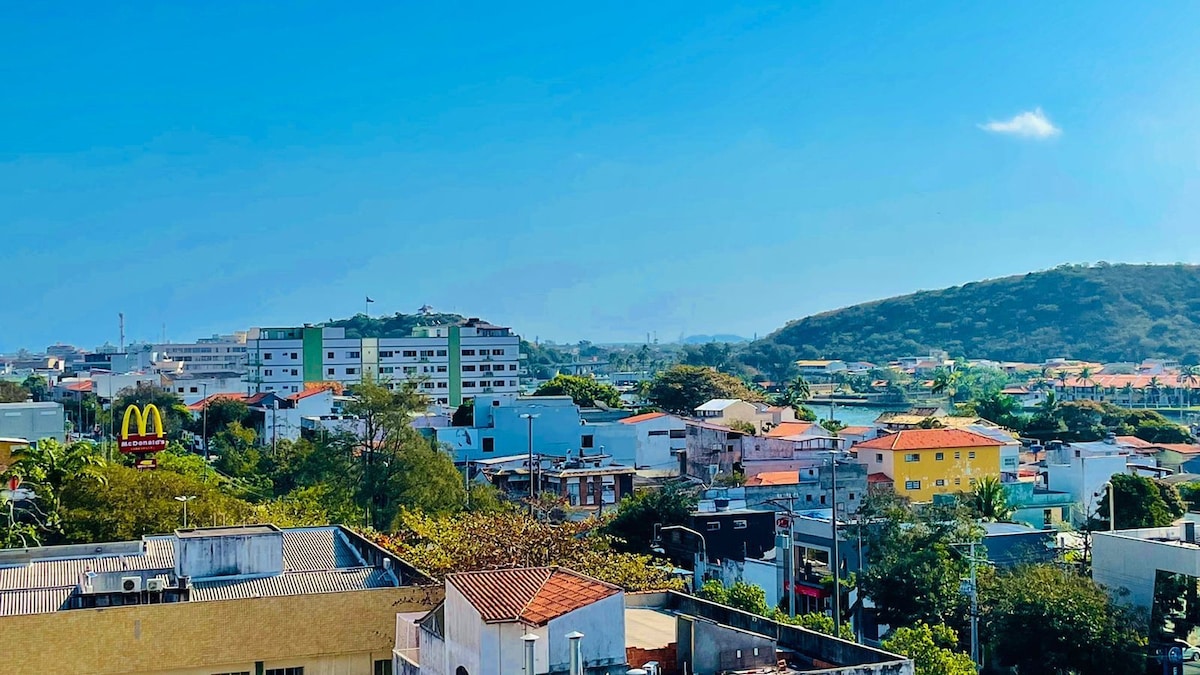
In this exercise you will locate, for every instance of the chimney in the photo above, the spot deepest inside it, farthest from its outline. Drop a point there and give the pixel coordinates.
(576, 654)
(529, 639)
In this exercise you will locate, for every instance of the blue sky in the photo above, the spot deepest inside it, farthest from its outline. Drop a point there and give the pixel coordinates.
(574, 172)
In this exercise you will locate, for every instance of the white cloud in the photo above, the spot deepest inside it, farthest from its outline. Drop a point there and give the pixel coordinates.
(1030, 124)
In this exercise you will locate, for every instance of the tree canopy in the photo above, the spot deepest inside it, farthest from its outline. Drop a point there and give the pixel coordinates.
(632, 528)
(585, 391)
(681, 389)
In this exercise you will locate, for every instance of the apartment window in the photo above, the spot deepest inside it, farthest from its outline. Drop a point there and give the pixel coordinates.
(679, 433)
(957, 455)
(1047, 517)
(497, 352)
(958, 481)
(941, 482)
(713, 525)
(409, 353)
(353, 355)
(383, 667)
(236, 672)
(427, 385)
(587, 441)
(512, 366)
(512, 383)
(409, 370)
(822, 499)
(940, 456)
(267, 356)
(329, 371)
(352, 371)
(441, 369)
(808, 498)
(295, 372)
(468, 369)
(295, 356)
(487, 368)
(851, 496)
(489, 444)
(426, 352)
(268, 372)
(181, 390)
(971, 455)
(193, 390)
(912, 457)
(441, 385)
(468, 352)
(468, 384)
(295, 388)
(298, 670)
(386, 355)
(440, 352)
(912, 485)
(656, 433)
(497, 383)
(971, 481)
(329, 355)
(879, 458)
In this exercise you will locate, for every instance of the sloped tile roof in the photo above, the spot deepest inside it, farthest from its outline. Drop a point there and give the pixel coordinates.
(789, 429)
(927, 439)
(774, 478)
(532, 595)
(644, 417)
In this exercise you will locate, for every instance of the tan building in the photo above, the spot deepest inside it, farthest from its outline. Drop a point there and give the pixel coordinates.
(727, 410)
(249, 600)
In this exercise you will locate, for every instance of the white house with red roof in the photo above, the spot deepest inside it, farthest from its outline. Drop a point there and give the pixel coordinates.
(479, 628)
(659, 440)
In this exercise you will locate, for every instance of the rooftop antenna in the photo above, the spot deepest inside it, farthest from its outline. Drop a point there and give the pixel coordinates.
(121, 324)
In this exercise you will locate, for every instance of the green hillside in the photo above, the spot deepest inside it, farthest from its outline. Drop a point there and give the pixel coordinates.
(1100, 312)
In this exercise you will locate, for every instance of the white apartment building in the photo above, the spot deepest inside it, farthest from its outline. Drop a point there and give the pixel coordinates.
(453, 363)
(217, 354)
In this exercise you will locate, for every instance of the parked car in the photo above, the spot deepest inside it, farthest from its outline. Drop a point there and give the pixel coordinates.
(1190, 652)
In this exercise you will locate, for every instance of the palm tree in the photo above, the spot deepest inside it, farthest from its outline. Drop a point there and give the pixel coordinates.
(1084, 377)
(1061, 376)
(1154, 386)
(1128, 391)
(49, 466)
(989, 500)
(1189, 376)
(946, 382)
(797, 392)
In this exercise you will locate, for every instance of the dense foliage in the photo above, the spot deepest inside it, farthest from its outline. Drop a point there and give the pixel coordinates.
(397, 325)
(584, 391)
(1141, 502)
(632, 528)
(1101, 312)
(681, 389)
(751, 598)
(933, 649)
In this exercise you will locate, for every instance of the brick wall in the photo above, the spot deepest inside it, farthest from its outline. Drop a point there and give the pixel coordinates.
(665, 657)
(199, 636)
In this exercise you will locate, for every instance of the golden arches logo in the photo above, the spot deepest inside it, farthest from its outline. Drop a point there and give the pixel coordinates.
(144, 439)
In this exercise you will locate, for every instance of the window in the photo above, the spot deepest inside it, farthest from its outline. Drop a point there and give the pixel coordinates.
(409, 353)
(879, 458)
(353, 355)
(352, 371)
(468, 352)
(267, 356)
(940, 456)
(441, 385)
(712, 525)
(957, 455)
(739, 524)
(193, 390)
(822, 499)
(656, 433)
(587, 441)
(1047, 517)
(468, 369)
(483, 352)
(497, 383)
(329, 371)
(971, 455)
(268, 372)
(386, 355)
(426, 353)
(497, 352)
(679, 433)
(427, 385)
(295, 356)
(808, 498)
(851, 496)
(489, 444)
(972, 481)
(298, 670)
(236, 672)
(912, 457)
(487, 368)
(467, 384)
(383, 667)
(958, 481)
(912, 485)
(441, 352)
(941, 482)
(441, 369)
(295, 372)
(329, 355)
(512, 366)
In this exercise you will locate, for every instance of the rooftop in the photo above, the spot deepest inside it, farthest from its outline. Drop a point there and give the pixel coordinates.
(928, 439)
(774, 478)
(644, 417)
(789, 429)
(532, 595)
(717, 404)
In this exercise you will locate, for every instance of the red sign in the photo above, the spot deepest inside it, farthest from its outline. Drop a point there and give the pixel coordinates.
(145, 439)
(14, 483)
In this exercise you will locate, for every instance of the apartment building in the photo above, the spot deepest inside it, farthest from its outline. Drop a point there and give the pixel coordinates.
(925, 462)
(216, 354)
(453, 363)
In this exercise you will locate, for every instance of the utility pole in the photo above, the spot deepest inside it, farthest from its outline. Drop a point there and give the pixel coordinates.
(204, 424)
(974, 611)
(791, 556)
(529, 417)
(835, 563)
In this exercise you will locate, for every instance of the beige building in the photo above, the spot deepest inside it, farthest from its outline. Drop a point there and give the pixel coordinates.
(727, 410)
(250, 600)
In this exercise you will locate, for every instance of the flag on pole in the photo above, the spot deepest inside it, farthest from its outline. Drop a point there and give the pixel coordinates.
(369, 299)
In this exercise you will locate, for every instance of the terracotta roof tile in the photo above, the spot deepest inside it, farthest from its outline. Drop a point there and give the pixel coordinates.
(789, 429)
(926, 439)
(642, 418)
(533, 595)
(774, 478)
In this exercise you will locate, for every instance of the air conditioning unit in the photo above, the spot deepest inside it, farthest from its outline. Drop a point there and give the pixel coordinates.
(156, 585)
(131, 584)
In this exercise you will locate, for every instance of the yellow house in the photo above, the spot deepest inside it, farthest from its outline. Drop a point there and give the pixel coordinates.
(925, 462)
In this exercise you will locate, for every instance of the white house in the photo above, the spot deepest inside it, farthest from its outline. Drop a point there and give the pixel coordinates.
(660, 437)
(478, 628)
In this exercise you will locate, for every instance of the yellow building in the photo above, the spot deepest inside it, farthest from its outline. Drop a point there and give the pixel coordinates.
(240, 600)
(925, 462)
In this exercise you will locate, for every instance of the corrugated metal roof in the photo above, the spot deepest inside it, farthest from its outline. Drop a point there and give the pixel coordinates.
(52, 573)
(39, 601)
(298, 583)
(317, 548)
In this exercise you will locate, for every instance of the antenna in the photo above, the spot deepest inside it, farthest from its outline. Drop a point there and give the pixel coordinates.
(121, 323)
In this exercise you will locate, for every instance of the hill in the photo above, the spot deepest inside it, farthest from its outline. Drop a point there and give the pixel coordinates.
(1099, 312)
(390, 326)
(705, 339)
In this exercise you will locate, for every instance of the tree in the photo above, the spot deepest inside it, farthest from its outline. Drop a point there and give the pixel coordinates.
(797, 392)
(37, 387)
(832, 426)
(221, 411)
(681, 389)
(632, 528)
(1141, 502)
(933, 649)
(442, 544)
(11, 392)
(1043, 619)
(744, 427)
(989, 501)
(585, 391)
(49, 467)
(945, 381)
(999, 408)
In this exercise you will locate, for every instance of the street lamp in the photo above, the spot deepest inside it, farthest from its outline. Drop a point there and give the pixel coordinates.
(1112, 510)
(204, 424)
(185, 499)
(703, 544)
(529, 417)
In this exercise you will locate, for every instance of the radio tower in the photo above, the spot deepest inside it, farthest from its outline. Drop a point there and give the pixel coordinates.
(121, 323)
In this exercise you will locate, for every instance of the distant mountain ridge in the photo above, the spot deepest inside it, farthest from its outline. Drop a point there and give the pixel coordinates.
(1100, 312)
(705, 339)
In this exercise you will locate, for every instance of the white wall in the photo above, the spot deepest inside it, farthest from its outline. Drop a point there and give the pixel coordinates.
(1083, 478)
(1129, 560)
(465, 644)
(603, 626)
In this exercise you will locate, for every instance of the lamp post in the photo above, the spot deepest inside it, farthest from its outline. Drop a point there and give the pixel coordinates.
(790, 561)
(529, 417)
(185, 499)
(204, 424)
(835, 563)
(1112, 505)
(703, 545)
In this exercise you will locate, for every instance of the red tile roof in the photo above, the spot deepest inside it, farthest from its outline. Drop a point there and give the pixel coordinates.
(927, 439)
(1181, 448)
(855, 431)
(774, 478)
(644, 417)
(789, 429)
(82, 386)
(312, 391)
(532, 595)
(200, 405)
(1133, 442)
(879, 478)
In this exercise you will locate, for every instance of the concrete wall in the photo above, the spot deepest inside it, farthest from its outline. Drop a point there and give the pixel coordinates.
(328, 634)
(32, 421)
(708, 647)
(654, 445)
(557, 430)
(1129, 560)
(1083, 477)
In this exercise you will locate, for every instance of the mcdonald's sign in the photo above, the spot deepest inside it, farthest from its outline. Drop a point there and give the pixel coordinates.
(144, 439)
